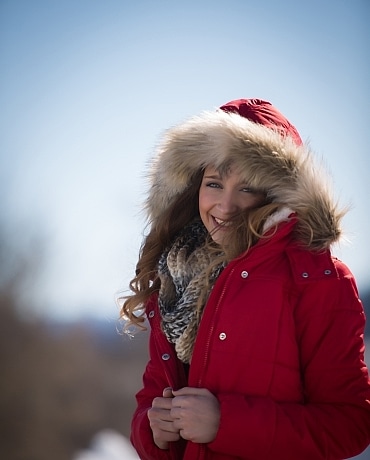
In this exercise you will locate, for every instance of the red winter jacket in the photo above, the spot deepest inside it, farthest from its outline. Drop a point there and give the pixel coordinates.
(281, 346)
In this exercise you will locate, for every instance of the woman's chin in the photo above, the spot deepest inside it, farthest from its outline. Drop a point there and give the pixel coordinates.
(218, 235)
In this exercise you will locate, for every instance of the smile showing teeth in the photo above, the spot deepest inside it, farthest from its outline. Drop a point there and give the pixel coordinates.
(222, 222)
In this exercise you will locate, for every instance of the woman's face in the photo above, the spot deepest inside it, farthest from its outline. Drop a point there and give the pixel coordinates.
(223, 197)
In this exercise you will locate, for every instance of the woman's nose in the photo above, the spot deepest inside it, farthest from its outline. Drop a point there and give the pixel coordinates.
(228, 204)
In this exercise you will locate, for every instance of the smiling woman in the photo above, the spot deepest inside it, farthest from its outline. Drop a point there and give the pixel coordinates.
(256, 348)
(222, 197)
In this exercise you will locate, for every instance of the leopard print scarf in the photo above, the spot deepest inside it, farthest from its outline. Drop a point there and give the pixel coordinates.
(182, 270)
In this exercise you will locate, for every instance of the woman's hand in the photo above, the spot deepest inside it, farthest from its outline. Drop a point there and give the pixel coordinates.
(195, 414)
(161, 421)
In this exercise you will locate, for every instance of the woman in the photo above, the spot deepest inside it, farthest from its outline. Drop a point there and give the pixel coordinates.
(256, 344)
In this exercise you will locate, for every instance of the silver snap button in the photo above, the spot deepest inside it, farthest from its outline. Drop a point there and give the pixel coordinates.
(304, 275)
(165, 356)
(222, 336)
(151, 314)
(244, 274)
(327, 272)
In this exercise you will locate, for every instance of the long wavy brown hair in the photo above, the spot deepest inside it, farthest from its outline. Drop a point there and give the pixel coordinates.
(246, 229)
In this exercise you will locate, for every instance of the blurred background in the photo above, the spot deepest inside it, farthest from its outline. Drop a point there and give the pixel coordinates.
(87, 87)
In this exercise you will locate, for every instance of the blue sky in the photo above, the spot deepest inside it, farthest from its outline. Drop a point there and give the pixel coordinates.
(87, 87)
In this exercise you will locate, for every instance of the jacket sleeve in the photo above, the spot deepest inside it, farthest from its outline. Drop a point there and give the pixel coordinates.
(141, 433)
(334, 420)
(155, 380)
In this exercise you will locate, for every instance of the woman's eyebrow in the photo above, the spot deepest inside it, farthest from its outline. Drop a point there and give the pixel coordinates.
(212, 176)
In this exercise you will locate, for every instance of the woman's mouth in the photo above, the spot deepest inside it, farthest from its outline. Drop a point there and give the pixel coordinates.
(220, 222)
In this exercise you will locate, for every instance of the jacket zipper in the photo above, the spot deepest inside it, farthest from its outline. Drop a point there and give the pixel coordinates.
(202, 447)
(210, 333)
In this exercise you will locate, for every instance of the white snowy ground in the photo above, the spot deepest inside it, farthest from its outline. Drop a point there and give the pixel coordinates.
(108, 445)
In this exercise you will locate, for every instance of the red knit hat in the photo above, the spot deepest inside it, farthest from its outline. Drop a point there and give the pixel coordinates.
(264, 113)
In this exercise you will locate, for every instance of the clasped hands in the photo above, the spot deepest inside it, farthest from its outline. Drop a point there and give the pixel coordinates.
(189, 413)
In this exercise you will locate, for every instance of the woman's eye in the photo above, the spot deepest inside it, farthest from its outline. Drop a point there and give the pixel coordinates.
(247, 190)
(213, 185)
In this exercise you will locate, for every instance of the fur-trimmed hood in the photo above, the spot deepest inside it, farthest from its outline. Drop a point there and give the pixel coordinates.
(269, 162)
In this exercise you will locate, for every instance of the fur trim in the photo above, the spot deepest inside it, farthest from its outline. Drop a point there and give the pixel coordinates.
(268, 162)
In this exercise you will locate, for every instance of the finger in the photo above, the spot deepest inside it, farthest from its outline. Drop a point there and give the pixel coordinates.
(158, 416)
(190, 391)
(182, 433)
(162, 403)
(161, 438)
(186, 401)
(176, 413)
(180, 401)
(162, 425)
(167, 392)
(178, 426)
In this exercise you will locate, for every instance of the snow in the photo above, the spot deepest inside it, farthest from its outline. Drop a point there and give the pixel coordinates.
(108, 445)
